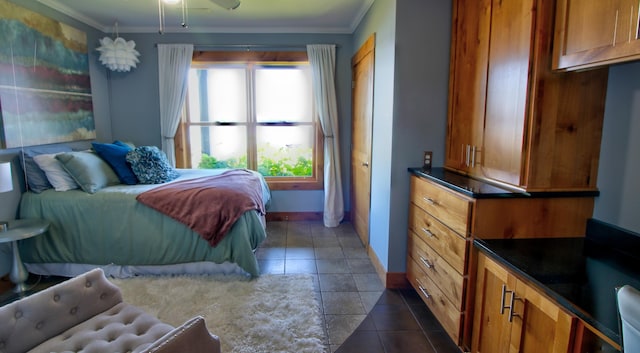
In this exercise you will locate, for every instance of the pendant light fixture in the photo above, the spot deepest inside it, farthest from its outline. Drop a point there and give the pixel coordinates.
(118, 54)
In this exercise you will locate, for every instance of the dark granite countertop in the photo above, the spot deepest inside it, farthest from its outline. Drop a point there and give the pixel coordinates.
(479, 189)
(581, 274)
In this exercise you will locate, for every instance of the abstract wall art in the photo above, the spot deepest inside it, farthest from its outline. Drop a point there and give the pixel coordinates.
(45, 90)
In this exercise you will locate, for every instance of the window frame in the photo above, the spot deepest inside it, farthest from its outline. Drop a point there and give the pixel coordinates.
(203, 59)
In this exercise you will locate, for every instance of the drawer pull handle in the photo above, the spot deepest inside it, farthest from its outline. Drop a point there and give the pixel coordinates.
(426, 262)
(428, 232)
(511, 307)
(511, 303)
(430, 201)
(424, 291)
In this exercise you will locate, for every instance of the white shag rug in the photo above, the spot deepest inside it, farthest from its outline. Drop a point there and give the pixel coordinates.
(268, 314)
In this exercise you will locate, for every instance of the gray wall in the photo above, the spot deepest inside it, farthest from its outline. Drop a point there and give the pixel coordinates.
(101, 109)
(619, 169)
(410, 110)
(381, 20)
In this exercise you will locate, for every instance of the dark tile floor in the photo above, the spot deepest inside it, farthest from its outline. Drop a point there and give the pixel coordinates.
(400, 322)
(35, 283)
(360, 314)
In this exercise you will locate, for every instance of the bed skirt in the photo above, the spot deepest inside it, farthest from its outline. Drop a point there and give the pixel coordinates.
(117, 271)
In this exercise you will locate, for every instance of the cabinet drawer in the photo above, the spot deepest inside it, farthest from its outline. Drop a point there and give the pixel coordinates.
(448, 280)
(450, 245)
(448, 316)
(447, 206)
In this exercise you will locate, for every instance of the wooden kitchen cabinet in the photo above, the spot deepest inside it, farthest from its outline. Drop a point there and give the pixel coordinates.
(442, 224)
(438, 243)
(513, 120)
(594, 33)
(467, 85)
(512, 316)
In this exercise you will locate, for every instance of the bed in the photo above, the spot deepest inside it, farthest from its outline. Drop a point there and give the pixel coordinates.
(110, 229)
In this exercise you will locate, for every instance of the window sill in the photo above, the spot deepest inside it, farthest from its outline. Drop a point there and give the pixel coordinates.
(312, 184)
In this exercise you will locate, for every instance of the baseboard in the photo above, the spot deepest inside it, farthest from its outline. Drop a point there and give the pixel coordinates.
(390, 280)
(293, 216)
(298, 216)
(398, 280)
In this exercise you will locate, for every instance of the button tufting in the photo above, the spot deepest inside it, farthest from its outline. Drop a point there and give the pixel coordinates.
(73, 310)
(39, 325)
(88, 284)
(18, 314)
(103, 295)
(56, 298)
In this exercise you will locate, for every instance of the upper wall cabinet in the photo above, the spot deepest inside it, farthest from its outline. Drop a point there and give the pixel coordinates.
(594, 33)
(512, 119)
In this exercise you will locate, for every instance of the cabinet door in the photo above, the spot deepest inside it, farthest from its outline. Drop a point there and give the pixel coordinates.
(590, 33)
(491, 328)
(467, 84)
(507, 89)
(539, 325)
(511, 316)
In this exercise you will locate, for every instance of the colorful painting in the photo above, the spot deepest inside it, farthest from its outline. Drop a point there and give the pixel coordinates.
(45, 91)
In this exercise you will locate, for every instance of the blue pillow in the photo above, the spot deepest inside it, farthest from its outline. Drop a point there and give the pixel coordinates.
(124, 144)
(116, 157)
(151, 165)
(36, 179)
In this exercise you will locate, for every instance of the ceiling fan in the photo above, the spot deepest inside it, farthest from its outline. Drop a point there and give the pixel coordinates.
(225, 4)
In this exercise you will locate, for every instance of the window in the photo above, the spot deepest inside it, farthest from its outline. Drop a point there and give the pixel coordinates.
(255, 114)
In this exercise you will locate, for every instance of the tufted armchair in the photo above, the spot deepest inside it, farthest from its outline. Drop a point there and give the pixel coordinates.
(86, 313)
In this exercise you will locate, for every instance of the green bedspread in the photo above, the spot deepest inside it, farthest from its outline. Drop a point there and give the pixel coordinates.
(111, 227)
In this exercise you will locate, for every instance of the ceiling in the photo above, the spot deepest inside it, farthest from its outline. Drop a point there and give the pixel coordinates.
(204, 16)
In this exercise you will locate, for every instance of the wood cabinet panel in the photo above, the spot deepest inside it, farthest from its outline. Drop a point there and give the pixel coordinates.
(531, 217)
(437, 251)
(448, 280)
(541, 129)
(447, 314)
(594, 33)
(450, 208)
(467, 84)
(512, 316)
(541, 325)
(491, 331)
(450, 245)
(507, 89)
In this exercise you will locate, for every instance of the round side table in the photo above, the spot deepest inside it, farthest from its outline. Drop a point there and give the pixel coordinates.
(17, 230)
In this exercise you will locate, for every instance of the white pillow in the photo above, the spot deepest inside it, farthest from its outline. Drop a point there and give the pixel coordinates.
(57, 176)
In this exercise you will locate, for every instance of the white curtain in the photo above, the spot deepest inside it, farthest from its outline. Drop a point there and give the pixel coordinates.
(322, 58)
(174, 61)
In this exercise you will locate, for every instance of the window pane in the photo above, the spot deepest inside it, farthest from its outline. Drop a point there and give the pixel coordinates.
(225, 89)
(283, 94)
(218, 146)
(285, 150)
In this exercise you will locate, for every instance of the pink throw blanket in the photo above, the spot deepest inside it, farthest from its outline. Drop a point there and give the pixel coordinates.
(208, 205)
